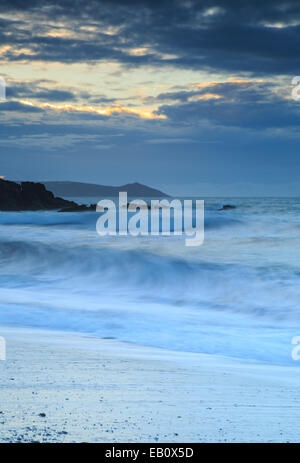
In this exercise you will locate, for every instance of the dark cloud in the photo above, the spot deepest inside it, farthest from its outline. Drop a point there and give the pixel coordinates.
(239, 90)
(16, 106)
(242, 105)
(225, 35)
(41, 90)
(35, 90)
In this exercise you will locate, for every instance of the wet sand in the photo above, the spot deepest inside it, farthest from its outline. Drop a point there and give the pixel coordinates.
(60, 387)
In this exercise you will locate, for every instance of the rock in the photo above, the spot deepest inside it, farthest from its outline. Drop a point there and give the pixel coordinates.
(79, 208)
(227, 207)
(43, 415)
(30, 196)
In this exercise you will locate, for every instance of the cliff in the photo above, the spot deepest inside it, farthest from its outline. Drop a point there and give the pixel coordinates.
(29, 196)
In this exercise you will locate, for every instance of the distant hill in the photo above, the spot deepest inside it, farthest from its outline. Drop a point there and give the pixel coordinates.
(69, 189)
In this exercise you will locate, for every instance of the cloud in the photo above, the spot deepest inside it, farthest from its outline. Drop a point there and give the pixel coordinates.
(103, 112)
(37, 90)
(253, 105)
(229, 36)
(19, 107)
(146, 85)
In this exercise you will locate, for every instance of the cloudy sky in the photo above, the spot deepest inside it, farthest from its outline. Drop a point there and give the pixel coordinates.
(192, 97)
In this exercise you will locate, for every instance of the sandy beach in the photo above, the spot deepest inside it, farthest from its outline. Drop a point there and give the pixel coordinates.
(61, 387)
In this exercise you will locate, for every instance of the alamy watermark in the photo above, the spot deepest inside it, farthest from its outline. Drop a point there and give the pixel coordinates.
(296, 350)
(2, 89)
(160, 217)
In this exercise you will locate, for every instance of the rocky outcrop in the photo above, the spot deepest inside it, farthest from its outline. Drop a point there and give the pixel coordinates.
(79, 208)
(227, 207)
(30, 196)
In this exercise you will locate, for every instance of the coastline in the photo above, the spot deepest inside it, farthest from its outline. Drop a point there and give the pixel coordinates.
(103, 390)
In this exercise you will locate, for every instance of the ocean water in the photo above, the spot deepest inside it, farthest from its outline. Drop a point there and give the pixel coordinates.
(237, 295)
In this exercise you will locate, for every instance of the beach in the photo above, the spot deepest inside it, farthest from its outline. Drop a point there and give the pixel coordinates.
(66, 387)
(144, 339)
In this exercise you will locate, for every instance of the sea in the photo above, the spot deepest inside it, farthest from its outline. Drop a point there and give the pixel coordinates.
(237, 295)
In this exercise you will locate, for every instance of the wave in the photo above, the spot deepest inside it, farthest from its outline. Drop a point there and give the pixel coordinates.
(233, 224)
(236, 295)
(47, 218)
(158, 277)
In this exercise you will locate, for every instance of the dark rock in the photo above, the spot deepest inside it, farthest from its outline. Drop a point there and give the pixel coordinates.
(227, 207)
(79, 208)
(29, 196)
(42, 415)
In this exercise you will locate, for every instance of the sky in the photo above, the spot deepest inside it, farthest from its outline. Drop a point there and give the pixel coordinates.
(191, 97)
